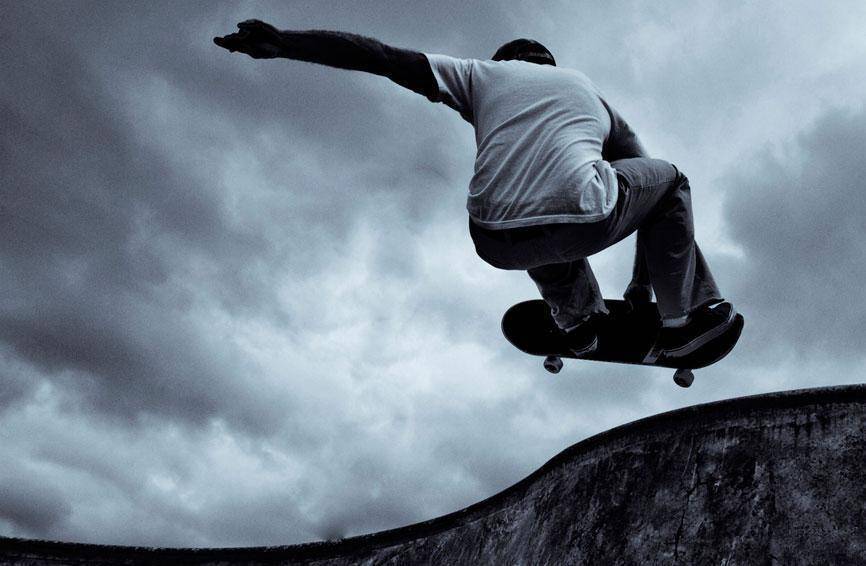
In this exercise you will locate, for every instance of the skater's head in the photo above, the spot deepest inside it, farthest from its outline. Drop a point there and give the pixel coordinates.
(524, 50)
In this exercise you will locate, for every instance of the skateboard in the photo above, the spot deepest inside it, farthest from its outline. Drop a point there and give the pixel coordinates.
(625, 336)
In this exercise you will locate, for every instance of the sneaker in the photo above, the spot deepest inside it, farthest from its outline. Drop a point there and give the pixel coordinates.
(582, 339)
(704, 325)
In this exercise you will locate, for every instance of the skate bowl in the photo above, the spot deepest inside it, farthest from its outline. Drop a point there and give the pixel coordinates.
(775, 478)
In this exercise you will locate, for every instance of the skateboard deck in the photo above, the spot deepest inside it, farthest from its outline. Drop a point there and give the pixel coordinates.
(625, 336)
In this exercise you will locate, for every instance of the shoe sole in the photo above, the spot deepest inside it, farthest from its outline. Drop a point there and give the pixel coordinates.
(701, 340)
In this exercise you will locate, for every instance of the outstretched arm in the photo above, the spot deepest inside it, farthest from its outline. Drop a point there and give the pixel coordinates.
(405, 67)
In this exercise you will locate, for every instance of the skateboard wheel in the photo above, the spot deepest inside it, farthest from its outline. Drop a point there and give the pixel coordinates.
(684, 377)
(553, 364)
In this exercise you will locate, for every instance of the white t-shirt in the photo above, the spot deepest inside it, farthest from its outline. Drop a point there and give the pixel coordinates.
(539, 131)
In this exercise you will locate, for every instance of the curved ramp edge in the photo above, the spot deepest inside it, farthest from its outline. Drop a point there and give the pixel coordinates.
(776, 475)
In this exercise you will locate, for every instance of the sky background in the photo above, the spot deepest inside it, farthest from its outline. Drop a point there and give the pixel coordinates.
(239, 304)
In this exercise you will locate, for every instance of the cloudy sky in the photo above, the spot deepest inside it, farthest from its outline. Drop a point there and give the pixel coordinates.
(238, 300)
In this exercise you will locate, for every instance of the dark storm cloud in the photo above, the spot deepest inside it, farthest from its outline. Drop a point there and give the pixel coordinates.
(16, 383)
(100, 223)
(28, 504)
(84, 209)
(117, 230)
(800, 216)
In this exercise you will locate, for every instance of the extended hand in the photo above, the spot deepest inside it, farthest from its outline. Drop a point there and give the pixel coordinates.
(255, 38)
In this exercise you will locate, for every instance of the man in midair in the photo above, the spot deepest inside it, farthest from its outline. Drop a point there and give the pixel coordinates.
(559, 176)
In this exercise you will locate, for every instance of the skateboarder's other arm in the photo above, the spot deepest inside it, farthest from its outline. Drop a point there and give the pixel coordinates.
(405, 67)
(622, 143)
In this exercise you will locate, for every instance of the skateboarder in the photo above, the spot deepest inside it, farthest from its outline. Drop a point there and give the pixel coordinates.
(559, 176)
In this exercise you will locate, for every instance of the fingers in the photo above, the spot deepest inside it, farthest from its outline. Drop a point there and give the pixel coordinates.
(224, 44)
(240, 43)
(253, 26)
(254, 23)
(232, 42)
(254, 37)
(221, 41)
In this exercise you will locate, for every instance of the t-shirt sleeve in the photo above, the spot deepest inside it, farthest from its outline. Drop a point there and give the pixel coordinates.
(454, 82)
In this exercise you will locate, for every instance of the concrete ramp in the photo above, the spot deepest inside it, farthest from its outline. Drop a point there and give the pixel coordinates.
(769, 479)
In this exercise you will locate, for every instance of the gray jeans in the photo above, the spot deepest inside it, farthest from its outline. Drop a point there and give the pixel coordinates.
(655, 201)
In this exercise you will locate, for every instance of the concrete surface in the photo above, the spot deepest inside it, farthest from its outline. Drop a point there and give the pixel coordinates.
(768, 479)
